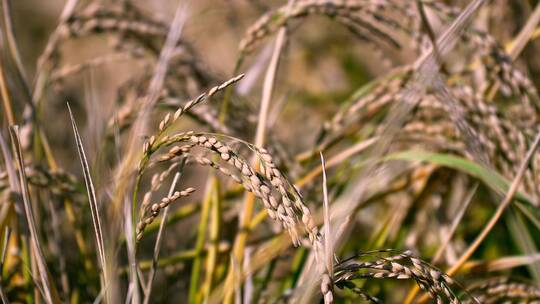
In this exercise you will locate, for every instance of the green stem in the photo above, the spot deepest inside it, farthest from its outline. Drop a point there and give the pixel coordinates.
(199, 243)
(215, 231)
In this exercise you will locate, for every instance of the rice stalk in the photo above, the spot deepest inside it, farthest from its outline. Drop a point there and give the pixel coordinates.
(260, 138)
(202, 229)
(159, 239)
(213, 250)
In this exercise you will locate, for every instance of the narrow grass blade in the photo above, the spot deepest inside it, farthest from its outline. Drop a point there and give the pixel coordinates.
(49, 290)
(503, 263)
(328, 242)
(92, 200)
(5, 245)
(491, 178)
(10, 169)
(9, 38)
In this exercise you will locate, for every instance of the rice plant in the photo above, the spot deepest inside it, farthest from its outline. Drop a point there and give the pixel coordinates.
(300, 151)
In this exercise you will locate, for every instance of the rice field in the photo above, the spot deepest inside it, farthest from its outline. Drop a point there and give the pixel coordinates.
(247, 151)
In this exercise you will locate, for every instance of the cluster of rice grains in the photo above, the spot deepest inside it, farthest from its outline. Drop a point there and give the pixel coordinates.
(280, 197)
(505, 290)
(400, 266)
(484, 110)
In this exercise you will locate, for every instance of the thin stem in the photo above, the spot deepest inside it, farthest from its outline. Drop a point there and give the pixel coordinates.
(518, 44)
(215, 231)
(5, 245)
(51, 296)
(494, 219)
(500, 210)
(454, 225)
(199, 243)
(260, 137)
(6, 99)
(159, 240)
